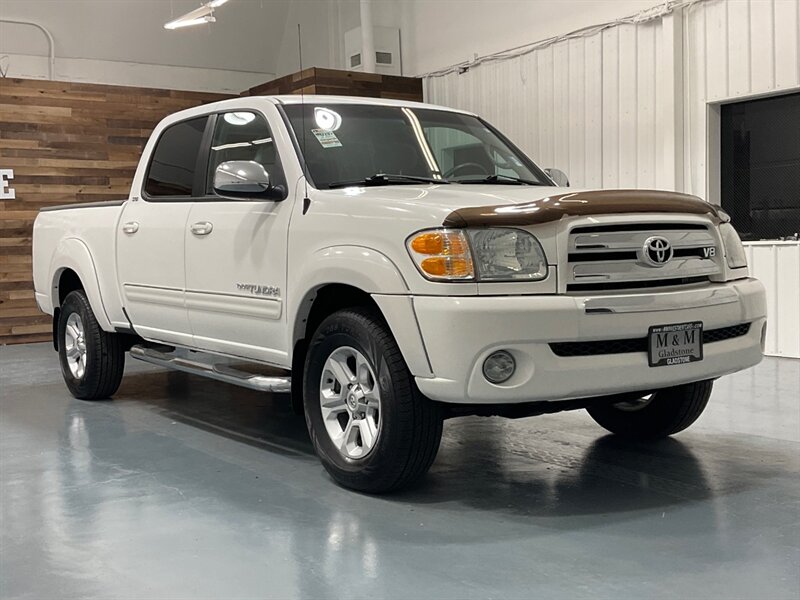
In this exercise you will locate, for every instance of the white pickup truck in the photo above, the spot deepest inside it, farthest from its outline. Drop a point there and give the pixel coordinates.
(392, 264)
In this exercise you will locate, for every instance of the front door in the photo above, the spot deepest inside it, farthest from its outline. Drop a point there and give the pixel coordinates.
(150, 240)
(236, 252)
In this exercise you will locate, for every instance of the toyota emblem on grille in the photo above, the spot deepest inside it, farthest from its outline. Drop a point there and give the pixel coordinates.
(656, 251)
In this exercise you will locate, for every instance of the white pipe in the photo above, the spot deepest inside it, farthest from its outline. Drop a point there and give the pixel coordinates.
(51, 42)
(367, 37)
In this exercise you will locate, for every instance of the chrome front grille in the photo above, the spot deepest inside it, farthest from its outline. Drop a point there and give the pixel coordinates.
(614, 257)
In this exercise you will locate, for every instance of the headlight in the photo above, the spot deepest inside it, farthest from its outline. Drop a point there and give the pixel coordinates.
(507, 255)
(734, 251)
(496, 255)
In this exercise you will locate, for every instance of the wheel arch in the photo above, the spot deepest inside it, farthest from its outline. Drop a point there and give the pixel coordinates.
(350, 276)
(356, 272)
(65, 281)
(73, 268)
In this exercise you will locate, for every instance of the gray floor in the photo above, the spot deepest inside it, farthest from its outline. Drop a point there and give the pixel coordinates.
(185, 488)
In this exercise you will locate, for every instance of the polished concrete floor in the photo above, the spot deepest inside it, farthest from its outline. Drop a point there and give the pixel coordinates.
(185, 488)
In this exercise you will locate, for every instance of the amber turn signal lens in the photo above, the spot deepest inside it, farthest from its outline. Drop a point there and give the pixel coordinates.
(442, 254)
(446, 266)
(449, 243)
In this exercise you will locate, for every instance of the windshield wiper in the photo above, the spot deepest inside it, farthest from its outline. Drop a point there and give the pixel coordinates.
(502, 179)
(386, 179)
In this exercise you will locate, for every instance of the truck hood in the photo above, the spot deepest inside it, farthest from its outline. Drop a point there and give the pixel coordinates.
(474, 205)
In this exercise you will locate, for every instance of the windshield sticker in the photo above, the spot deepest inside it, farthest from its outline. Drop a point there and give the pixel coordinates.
(328, 139)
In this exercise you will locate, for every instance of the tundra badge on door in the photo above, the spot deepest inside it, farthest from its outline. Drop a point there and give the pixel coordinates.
(260, 290)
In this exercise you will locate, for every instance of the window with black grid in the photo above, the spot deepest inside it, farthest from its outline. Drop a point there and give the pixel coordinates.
(761, 166)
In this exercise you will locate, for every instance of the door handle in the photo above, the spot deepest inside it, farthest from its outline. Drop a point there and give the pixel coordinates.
(130, 227)
(201, 228)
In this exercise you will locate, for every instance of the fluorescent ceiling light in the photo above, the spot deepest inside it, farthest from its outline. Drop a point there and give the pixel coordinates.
(189, 22)
(198, 16)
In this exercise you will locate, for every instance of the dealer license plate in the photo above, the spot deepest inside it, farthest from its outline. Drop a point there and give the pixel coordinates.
(676, 344)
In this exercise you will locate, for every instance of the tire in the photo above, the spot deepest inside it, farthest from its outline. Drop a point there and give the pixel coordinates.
(668, 411)
(408, 426)
(103, 352)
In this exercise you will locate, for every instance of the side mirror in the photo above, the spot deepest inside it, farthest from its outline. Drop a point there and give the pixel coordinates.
(558, 176)
(243, 179)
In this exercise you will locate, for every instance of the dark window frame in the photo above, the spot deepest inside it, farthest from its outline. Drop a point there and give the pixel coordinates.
(204, 141)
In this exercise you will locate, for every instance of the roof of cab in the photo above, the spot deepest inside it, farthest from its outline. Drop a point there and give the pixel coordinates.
(241, 103)
(324, 99)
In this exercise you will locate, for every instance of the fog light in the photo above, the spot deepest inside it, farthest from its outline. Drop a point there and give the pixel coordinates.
(499, 366)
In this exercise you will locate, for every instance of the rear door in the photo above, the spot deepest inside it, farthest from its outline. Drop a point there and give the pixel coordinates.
(236, 250)
(150, 243)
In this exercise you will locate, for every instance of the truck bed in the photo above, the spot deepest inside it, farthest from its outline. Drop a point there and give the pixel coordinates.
(81, 237)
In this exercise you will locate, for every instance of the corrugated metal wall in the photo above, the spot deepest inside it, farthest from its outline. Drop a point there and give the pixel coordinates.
(777, 265)
(638, 105)
(593, 107)
(633, 106)
(732, 49)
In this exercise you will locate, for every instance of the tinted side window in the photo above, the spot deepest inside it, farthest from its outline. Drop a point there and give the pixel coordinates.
(172, 167)
(244, 135)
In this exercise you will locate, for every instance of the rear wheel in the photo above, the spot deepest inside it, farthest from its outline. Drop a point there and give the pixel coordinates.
(371, 427)
(657, 415)
(92, 360)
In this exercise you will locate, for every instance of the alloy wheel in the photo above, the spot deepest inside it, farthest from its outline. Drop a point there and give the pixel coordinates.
(75, 345)
(351, 402)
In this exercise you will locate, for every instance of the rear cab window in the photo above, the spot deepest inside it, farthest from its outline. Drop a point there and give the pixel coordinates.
(173, 165)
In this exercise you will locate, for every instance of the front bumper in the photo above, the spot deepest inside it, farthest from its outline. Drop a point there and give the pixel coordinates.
(460, 332)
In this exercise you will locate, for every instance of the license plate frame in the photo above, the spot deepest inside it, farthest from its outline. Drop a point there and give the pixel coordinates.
(682, 341)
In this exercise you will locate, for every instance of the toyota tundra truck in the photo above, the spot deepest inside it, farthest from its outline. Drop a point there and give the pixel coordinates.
(389, 265)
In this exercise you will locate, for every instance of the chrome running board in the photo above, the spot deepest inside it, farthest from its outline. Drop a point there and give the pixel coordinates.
(221, 370)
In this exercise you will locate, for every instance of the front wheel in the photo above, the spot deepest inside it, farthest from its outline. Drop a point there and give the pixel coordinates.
(371, 427)
(92, 360)
(656, 416)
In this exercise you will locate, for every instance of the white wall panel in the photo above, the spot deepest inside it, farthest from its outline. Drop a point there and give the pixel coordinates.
(786, 46)
(777, 265)
(588, 106)
(82, 70)
(641, 93)
(734, 49)
(593, 109)
(610, 131)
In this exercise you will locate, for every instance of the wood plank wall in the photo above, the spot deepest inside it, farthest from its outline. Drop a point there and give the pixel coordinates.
(66, 142)
(74, 142)
(342, 83)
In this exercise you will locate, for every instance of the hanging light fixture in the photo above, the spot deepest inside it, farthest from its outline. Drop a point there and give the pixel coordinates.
(204, 14)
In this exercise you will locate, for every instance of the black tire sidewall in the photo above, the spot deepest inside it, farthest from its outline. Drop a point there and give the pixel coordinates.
(670, 411)
(76, 302)
(346, 329)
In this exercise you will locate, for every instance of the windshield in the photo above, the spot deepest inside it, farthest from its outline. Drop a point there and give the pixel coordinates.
(345, 144)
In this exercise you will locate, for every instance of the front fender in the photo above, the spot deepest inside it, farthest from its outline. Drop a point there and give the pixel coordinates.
(358, 266)
(372, 272)
(72, 253)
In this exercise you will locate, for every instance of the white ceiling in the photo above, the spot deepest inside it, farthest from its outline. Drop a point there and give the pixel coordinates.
(261, 35)
(249, 35)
